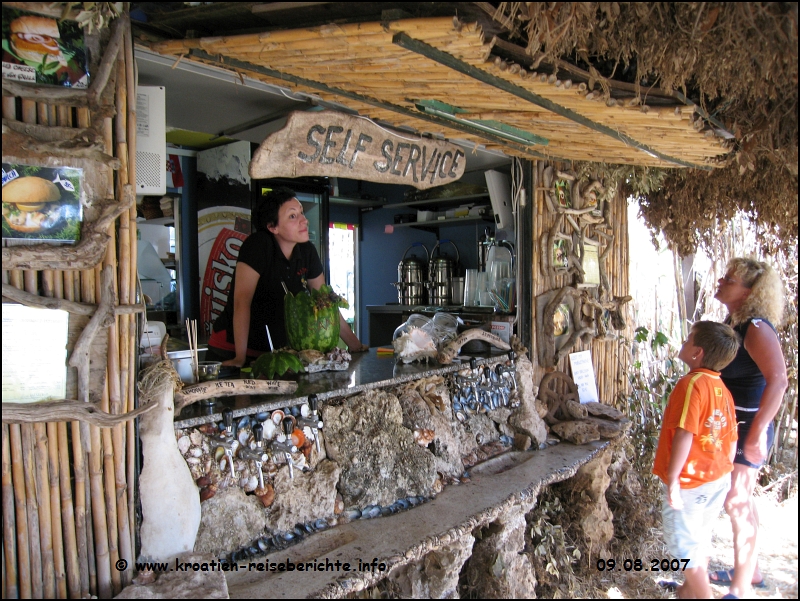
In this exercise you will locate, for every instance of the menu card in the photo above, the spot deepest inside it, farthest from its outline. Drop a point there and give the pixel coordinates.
(583, 374)
(34, 354)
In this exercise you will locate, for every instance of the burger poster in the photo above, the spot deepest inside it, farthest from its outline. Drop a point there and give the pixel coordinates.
(42, 203)
(39, 49)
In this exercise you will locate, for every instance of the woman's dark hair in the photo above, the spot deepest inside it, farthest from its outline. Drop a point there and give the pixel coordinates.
(266, 213)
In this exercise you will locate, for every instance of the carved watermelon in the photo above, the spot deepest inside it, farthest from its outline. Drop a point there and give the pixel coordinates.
(312, 320)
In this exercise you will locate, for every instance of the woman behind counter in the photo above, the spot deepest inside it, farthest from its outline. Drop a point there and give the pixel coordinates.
(753, 294)
(278, 253)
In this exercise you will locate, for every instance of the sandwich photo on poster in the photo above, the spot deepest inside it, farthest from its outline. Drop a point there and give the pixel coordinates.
(42, 203)
(39, 49)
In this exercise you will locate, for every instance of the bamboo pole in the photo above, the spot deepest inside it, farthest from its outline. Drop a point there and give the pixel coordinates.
(32, 508)
(99, 517)
(11, 580)
(102, 463)
(68, 515)
(82, 533)
(130, 439)
(59, 564)
(24, 564)
(90, 545)
(111, 399)
(111, 505)
(42, 484)
(125, 340)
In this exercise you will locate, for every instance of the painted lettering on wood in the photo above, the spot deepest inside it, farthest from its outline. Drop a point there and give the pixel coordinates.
(334, 144)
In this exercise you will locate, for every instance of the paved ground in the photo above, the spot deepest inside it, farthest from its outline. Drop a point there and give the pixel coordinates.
(778, 557)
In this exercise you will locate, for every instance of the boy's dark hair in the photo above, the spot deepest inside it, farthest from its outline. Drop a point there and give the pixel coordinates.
(266, 213)
(719, 342)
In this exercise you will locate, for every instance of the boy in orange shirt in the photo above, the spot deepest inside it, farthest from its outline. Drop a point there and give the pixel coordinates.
(695, 451)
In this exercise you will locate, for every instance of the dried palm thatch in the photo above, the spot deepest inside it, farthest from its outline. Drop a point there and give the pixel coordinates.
(738, 61)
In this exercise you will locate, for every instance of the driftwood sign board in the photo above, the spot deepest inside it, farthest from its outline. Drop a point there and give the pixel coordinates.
(332, 144)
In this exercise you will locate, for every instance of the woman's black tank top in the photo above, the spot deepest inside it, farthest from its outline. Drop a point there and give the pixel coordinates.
(742, 376)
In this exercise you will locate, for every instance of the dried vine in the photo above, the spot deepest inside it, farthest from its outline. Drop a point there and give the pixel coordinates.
(736, 61)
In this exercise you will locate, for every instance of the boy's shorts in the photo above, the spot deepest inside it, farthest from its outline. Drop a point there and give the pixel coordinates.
(688, 532)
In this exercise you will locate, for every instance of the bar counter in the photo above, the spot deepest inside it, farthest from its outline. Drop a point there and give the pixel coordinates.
(366, 371)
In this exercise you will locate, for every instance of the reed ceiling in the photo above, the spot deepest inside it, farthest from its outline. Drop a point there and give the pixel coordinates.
(391, 71)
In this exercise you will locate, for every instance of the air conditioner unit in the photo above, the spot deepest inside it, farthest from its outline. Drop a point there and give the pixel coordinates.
(151, 141)
(499, 185)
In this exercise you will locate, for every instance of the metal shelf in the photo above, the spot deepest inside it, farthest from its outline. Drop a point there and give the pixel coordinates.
(435, 224)
(355, 202)
(438, 201)
(169, 221)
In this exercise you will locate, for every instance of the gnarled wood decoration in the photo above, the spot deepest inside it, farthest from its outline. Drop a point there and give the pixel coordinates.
(68, 411)
(556, 389)
(452, 348)
(220, 388)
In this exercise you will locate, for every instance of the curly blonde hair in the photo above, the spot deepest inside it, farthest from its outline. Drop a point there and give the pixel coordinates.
(766, 298)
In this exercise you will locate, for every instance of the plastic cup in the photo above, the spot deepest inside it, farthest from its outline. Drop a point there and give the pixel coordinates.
(484, 299)
(471, 288)
(208, 370)
(498, 270)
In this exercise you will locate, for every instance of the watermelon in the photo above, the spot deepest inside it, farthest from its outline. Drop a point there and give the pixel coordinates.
(312, 319)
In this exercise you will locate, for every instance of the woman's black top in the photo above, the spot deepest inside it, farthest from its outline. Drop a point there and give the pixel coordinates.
(261, 252)
(742, 376)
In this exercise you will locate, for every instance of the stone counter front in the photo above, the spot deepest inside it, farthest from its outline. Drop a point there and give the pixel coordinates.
(399, 477)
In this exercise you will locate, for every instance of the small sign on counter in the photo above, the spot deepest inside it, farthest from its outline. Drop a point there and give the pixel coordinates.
(34, 354)
(583, 375)
(503, 330)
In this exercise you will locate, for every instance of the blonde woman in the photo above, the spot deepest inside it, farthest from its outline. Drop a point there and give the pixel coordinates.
(753, 294)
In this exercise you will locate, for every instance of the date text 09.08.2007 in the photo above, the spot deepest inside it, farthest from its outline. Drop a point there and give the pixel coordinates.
(639, 565)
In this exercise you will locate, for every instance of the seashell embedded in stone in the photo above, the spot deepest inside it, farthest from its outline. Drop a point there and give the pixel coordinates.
(423, 437)
(269, 430)
(305, 410)
(243, 437)
(251, 484)
(193, 461)
(352, 514)
(184, 442)
(298, 438)
(207, 492)
(196, 452)
(196, 437)
(277, 417)
(266, 495)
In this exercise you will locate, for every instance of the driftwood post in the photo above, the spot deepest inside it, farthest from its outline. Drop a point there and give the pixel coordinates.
(170, 499)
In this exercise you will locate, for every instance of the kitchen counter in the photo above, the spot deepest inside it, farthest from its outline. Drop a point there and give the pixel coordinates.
(366, 371)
